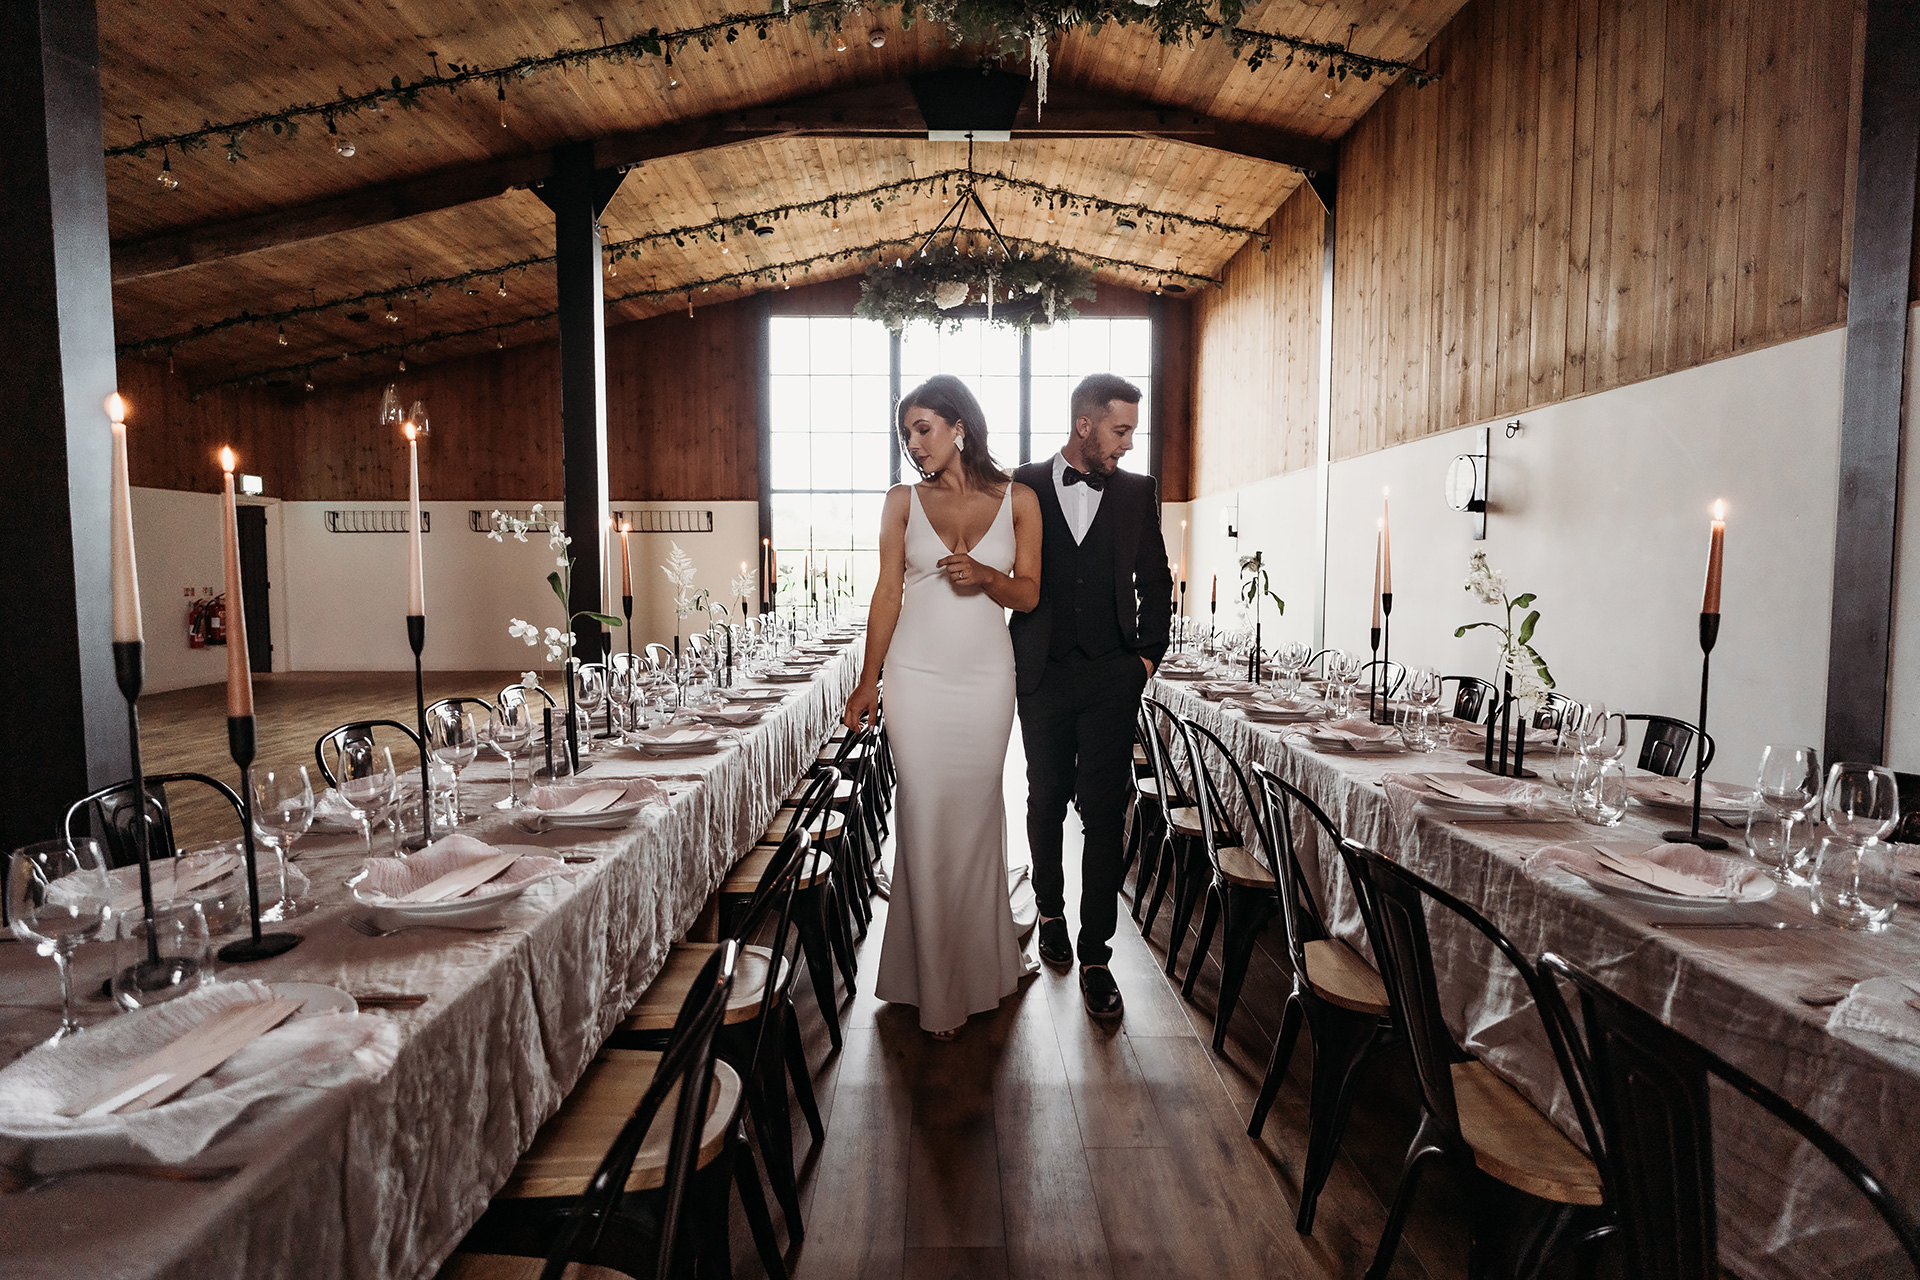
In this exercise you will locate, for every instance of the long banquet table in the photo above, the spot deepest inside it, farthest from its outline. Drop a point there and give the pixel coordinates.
(1783, 1211)
(383, 1180)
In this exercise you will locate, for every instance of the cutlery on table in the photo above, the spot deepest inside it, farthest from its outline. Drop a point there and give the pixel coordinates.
(362, 925)
(389, 1000)
(1729, 924)
(463, 880)
(168, 1070)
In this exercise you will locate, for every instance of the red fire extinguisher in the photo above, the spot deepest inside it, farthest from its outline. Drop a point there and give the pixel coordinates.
(207, 622)
(217, 620)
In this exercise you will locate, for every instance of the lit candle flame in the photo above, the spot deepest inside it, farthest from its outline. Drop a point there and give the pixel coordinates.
(408, 428)
(1719, 509)
(226, 459)
(116, 409)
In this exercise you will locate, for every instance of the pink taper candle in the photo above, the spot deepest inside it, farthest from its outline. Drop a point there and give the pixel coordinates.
(1379, 540)
(239, 669)
(1386, 546)
(626, 560)
(126, 582)
(416, 588)
(1715, 548)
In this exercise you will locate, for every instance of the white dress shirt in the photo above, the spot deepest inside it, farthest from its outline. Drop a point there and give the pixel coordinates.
(1079, 503)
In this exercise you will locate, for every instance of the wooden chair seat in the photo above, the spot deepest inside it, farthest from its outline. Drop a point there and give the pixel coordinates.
(827, 826)
(746, 873)
(1239, 866)
(1140, 754)
(1147, 785)
(841, 793)
(1185, 819)
(1515, 1143)
(659, 1005)
(1340, 977)
(570, 1146)
(501, 1266)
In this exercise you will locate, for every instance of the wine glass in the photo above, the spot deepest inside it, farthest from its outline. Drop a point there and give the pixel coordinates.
(282, 812)
(1853, 871)
(58, 896)
(1422, 687)
(1789, 787)
(589, 695)
(369, 784)
(162, 960)
(511, 736)
(451, 741)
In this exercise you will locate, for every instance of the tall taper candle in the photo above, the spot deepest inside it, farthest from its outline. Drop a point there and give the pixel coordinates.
(626, 559)
(1214, 602)
(126, 582)
(1386, 545)
(1379, 545)
(416, 589)
(1715, 548)
(239, 670)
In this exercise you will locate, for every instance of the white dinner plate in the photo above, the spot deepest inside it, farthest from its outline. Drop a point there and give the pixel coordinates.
(320, 999)
(1757, 888)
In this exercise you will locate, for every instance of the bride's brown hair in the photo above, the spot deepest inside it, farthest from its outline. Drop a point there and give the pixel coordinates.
(947, 396)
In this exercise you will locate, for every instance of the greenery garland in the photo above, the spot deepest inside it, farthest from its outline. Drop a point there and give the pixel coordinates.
(717, 230)
(1012, 27)
(932, 284)
(776, 274)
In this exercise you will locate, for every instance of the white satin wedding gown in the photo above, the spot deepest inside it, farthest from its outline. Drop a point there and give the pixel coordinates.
(951, 946)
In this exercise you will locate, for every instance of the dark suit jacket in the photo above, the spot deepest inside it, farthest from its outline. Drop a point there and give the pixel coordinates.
(1143, 595)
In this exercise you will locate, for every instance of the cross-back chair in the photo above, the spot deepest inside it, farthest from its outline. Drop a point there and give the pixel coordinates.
(1668, 745)
(1470, 1117)
(1472, 697)
(109, 813)
(1167, 749)
(1336, 995)
(660, 657)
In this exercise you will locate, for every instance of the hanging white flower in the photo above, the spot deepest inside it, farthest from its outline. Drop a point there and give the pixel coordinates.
(680, 570)
(949, 294)
(520, 629)
(1037, 53)
(1487, 584)
(529, 679)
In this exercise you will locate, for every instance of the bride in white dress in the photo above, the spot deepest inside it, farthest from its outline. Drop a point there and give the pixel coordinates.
(955, 550)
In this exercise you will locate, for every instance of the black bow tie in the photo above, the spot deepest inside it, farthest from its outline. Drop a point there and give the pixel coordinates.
(1094, 481)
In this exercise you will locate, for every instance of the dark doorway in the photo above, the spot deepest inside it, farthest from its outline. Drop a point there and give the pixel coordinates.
(254, 586)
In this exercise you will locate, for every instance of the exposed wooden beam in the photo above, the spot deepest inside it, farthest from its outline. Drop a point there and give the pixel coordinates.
(883, 110)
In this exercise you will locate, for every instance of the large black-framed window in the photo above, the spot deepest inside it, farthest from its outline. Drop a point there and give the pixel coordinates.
(834, 382)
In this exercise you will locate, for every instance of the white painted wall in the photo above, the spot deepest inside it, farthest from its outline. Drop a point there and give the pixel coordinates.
(177, 540)
(1601, 506)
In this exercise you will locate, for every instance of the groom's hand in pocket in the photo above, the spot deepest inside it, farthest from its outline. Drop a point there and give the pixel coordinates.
(1148, 664)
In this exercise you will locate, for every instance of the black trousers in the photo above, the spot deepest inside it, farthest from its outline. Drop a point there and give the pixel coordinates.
(1078, 730)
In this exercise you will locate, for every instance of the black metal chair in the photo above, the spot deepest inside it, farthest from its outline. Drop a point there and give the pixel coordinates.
(337, 739)
(1145, 821)
(109, 814)
(1336, 994)
(660, 657)
(630, 1213)
(475, 705)
(515, 695)
(1469, 1116)
(758, 1036)
(1668, 745)
(1390, 674)
(1908, 830)
(1472, 697)
(1182, 862)
(1553, 712)
(1649, 1088)
(1240, 894)
(1156, 864)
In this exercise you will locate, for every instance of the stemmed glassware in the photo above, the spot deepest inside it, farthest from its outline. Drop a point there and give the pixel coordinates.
(451, 741)
(1853, 876)
(511, 736)
(1789, 790)
(370, 785)
(282, 812)
(58, 896)
(1292, 660)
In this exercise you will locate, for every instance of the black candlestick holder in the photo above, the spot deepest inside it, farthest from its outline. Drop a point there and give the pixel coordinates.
(259, 946)
(1373, 673)
(417, 638)
(130, 671)
(626, 611)
(1709, 634)
(1511, 761)
(606, 676)
(1386, 657)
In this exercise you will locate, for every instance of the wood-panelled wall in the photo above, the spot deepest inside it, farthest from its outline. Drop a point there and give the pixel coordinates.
(681, 413)
(1596, 192)
(1257, 353)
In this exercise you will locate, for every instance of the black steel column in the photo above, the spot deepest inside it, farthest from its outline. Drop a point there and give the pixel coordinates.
(577, 193)
(1863, 554)
(763, 421)
(57, 331)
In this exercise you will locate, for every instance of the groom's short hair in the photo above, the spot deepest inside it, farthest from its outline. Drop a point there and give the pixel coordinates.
(1098, 390)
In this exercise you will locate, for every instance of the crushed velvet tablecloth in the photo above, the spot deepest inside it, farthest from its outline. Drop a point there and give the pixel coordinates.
(1784, 1212)
(384, 1180)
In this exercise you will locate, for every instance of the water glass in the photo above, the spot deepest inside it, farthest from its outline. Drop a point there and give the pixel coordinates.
(1419, 727)
(58, 897)
(1789, 790)
(1781, 844)
(1854, 883)
(222, 900)
(1862, 801)
(1600, 792)
(155, 963)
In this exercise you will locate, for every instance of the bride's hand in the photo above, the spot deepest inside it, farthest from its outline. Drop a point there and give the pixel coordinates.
(863, 706)
(965, 571)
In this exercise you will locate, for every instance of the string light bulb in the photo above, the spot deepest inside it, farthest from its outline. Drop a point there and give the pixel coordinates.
(342, 145)
(283, 335)
(166, 179)
(503, 286)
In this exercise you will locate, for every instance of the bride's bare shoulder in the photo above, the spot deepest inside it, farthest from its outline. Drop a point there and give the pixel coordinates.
(1025, 501)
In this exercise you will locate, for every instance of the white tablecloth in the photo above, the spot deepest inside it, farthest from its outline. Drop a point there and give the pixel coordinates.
(384, 1180)
(1783, 1211)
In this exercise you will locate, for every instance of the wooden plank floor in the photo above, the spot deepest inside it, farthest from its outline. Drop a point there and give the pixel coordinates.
(1041, 1145)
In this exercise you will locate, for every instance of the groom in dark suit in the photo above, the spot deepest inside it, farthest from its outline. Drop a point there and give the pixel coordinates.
(1082, 657)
